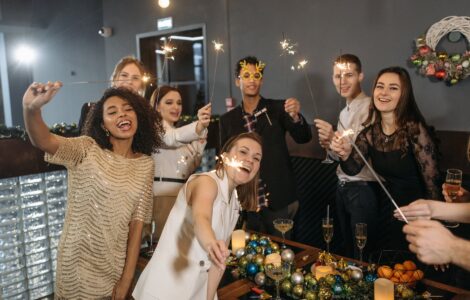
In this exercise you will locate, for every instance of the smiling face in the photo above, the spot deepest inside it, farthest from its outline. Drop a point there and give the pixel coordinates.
(249, 81)
(387, 92)
(347, 80)
(170, 107)
(246, 153)
(119, 118)
(130, 77)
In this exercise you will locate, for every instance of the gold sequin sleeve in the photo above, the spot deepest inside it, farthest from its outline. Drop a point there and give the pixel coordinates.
(71, 151)
(143, 208)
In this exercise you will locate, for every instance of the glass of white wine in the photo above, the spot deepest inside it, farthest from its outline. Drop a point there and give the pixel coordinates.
(283, 226)
(361, 237)
(452, 186)
(277, 273)
(327, 226)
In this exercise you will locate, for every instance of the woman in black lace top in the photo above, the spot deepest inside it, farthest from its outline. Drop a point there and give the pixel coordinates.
(398, 142)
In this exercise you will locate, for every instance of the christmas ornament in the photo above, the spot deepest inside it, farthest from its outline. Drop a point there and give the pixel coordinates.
(260, 278)
(298, 290)
(297, 278)
(286, 286)
(239, 252)
(287, 255)
(251, 269)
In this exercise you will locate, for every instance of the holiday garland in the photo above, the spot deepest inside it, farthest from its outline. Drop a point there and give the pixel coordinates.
(440, 65)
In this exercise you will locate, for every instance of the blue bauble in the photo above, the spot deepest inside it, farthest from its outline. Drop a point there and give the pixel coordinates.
(337, 288)
(253, 244)
(251, 269)
(263, 242)
(371, 277)
(338, 279)
(268, 250)
(251, 251)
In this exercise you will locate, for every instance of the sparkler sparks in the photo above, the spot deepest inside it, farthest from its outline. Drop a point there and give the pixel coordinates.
(217, 47)
(231, 161)
(288, 48)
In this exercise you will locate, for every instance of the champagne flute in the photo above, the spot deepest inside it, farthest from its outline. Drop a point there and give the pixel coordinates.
(452, 186)
(327, 226)
(327, 159)
(277, 273)
(361, 237)
(283, 226)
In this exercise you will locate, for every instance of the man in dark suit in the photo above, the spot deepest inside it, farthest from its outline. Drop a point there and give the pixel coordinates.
(270, 119)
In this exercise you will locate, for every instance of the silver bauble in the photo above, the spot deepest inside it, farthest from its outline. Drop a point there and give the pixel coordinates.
(249, 257)
(240, 252)
(297, 278)
(356, 275)
(260, 278)
(287, 255)
(247, 236)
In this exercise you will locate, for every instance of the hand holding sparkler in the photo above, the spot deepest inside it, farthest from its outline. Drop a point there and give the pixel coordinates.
(204, 118)
(325, 133)
(292, 107)
(342, 147)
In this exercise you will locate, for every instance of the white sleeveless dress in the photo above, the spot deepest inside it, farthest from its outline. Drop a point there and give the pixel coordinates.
(179, 265)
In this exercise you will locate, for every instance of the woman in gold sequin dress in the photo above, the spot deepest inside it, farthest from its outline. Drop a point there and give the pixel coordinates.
(110, 176)
(189, 260)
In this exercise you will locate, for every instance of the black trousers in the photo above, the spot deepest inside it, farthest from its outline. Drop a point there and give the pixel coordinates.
(357, 202)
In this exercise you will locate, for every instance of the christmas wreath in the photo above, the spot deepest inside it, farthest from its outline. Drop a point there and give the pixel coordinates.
(440, 65)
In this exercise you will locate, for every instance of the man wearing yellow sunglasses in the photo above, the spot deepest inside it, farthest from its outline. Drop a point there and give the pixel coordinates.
(270, 119)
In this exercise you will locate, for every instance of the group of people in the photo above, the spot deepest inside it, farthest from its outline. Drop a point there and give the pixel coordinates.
(132, 165)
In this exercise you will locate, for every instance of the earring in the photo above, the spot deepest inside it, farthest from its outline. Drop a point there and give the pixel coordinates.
(106, 131)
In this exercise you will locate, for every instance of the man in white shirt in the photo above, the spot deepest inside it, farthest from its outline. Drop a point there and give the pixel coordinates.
(356, 196)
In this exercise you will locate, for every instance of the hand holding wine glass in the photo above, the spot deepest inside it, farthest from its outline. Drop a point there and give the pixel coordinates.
(361, 237)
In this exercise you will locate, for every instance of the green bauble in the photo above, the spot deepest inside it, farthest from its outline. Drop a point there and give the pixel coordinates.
(259, 250)
(325, 293)
(407, 293)
(345, 277)
(347, 289)
(454, 81)
(417, 62)
(330, 279)
(258, 259)
(242, 262)
(286, 286)
(298, 290)
(310, 280)
(254, 237)
(310, 295)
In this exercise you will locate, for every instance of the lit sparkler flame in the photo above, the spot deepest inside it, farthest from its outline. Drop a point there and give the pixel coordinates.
(347, 132)
(218, 46)
(288, 47)
(231, 161)
(146, 78)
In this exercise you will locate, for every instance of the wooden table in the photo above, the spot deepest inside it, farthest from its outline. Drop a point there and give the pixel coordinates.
(305, 255)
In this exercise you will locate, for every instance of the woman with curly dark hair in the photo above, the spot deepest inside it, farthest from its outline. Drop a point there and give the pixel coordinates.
(400, 146)
(110, 177)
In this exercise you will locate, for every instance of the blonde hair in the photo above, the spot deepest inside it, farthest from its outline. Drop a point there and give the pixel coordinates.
(127, 60)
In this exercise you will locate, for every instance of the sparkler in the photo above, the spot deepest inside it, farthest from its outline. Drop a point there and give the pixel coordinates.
(167, 51)
(217, 47)
(347, 133)
(231, 161)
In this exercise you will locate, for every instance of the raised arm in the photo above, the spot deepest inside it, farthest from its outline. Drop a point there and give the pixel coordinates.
(36, 96)
(425, 152)
(295, 123)
(201, 194)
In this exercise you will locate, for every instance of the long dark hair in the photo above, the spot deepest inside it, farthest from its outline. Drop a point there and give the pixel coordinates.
(148, 137)
(248, 192)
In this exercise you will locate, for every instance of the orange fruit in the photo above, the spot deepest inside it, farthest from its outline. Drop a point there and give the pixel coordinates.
(418, 275)
(409, 265)
(398, 273)
(399, 267)
(385, 272)
(395, 280)
(406, 277)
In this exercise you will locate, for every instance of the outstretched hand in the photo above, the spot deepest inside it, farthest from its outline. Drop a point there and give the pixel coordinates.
(39, 94)
(292, 107)
(218, 253)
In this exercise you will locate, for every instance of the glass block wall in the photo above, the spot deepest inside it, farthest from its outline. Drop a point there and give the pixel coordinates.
(32, 210)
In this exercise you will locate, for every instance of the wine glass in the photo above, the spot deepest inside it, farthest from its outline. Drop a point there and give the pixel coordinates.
(283, 226)
(452, 186)
(327, 226)
(361, 237)
(277, 273)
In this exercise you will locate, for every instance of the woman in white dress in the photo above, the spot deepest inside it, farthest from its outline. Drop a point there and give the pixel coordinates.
(181, 154)
(189, 260)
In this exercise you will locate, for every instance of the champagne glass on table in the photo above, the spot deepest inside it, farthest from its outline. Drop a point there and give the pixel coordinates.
(361, 237)
(327, 226)
(452, 186)
(277, 273)
(283, 226)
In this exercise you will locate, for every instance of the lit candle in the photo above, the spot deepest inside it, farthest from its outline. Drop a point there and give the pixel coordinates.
(383, 289)
(322, 271)
(238, 240)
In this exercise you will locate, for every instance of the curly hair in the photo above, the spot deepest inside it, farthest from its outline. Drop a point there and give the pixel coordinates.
(148, 137)
(248, 192)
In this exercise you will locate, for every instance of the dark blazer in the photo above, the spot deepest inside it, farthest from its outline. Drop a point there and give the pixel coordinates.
(276, 169)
